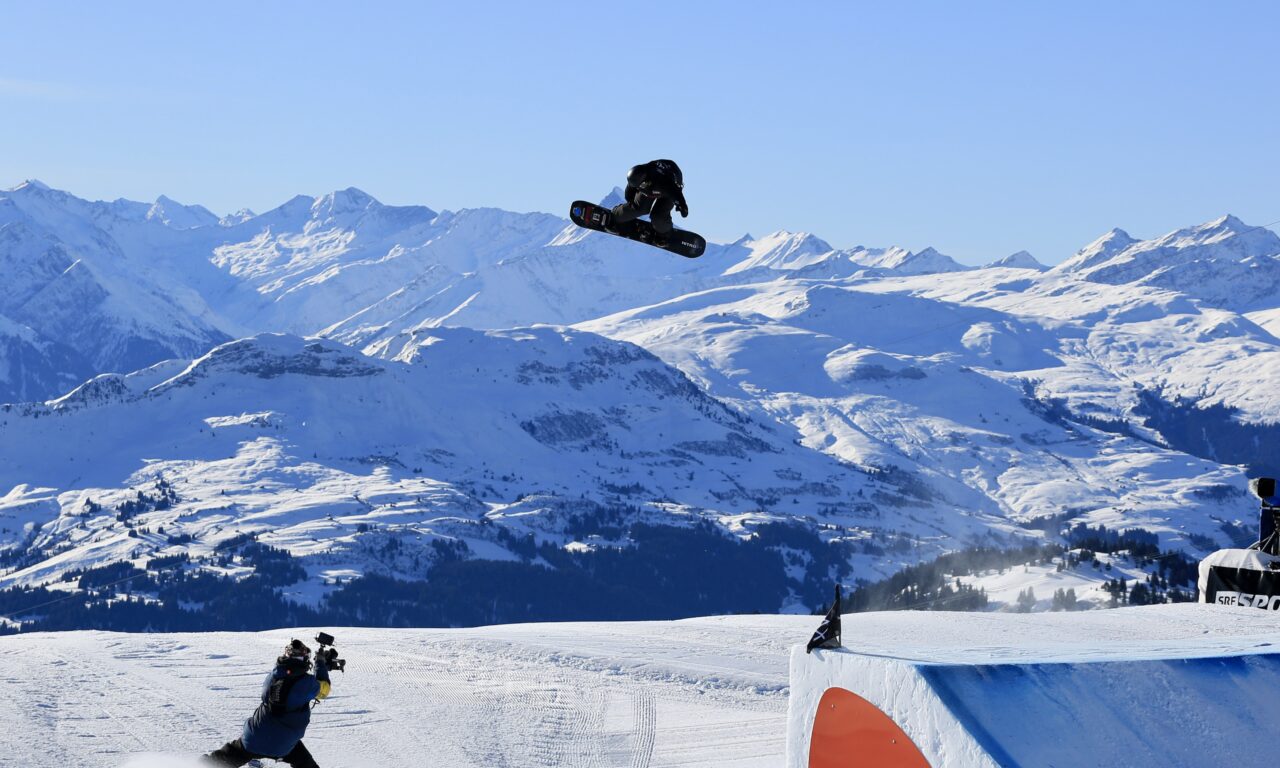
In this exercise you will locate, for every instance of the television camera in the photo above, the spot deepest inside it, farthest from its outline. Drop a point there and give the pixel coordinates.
(1269, 525)
(329, 653)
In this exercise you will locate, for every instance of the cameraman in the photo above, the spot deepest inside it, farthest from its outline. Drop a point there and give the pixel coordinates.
(277, 726)
(1265, 489)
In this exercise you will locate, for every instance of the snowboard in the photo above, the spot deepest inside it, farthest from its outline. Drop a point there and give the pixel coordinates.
(592, 216)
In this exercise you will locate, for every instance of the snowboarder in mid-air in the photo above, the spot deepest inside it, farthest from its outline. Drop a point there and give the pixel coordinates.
(654, 189)
(276, 728)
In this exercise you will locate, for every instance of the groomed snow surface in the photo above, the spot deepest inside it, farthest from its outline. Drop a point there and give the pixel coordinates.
(701, 692)
(705, 692)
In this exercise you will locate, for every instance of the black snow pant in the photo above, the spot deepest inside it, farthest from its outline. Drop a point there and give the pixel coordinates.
(639, 204)
(233, 754)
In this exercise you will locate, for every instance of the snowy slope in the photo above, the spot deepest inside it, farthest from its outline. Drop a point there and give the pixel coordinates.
(708, 692)
(946, 393)
(703, 692)
(1118, 341)
(31, 366)
(449, 436)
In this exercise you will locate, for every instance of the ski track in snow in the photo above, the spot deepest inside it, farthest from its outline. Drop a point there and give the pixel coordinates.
(631, 695)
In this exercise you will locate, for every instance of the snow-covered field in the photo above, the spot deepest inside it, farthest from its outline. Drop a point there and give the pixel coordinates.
(700, 692)
(705, 692)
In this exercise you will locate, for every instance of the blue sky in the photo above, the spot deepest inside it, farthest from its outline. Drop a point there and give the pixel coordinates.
(980, 128)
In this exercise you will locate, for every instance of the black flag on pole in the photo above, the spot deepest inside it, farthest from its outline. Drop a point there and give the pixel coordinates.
(828, 634)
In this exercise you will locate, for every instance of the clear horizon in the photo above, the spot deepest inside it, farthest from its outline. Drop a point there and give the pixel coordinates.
(979, 131)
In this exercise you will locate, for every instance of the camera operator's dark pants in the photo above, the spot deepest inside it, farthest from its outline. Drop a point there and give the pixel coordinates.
(234, 755)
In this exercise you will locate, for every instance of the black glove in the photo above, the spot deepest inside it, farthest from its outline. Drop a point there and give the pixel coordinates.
(683, 208)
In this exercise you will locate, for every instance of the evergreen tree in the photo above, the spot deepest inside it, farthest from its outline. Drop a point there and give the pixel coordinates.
(1140, 595)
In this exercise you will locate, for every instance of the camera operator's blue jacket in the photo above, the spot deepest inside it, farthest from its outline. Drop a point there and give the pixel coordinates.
(276, 733)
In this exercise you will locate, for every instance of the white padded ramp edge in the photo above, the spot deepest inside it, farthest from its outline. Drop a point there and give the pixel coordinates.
(1163, 686)
(895, 687)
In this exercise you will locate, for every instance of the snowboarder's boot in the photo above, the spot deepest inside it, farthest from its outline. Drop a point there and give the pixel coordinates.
(662, 239)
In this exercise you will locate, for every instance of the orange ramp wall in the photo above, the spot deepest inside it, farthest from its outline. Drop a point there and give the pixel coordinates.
(850, 732)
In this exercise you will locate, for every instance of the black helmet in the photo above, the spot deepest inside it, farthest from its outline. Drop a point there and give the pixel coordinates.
(296, 649)
(669, 169)
(643, 175)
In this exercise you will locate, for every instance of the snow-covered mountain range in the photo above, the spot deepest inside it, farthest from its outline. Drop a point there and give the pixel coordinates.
(389, 389)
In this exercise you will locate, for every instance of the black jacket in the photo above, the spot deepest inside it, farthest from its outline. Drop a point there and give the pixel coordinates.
(658, 178)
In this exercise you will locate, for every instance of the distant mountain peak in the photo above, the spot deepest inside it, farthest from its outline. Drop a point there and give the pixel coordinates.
(344, 200)
(1019, 260)
(796, 240)
(1223, 230)
(782, 250)
(926, 261)
(292, 212)
(1115, 236)
(613, 198)
(239, 217)
(1100, 250)
(34, 184)
(1228, 221)
(173, 214)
